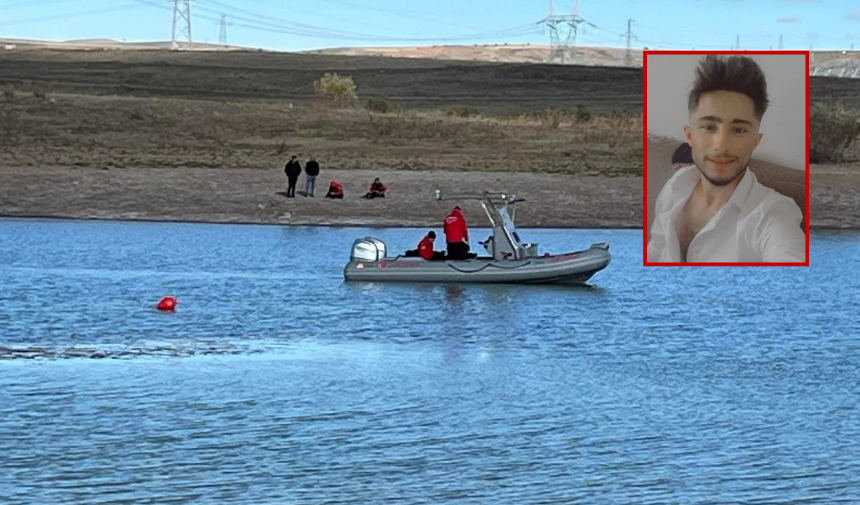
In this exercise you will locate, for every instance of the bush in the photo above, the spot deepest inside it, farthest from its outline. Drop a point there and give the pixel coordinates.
(9, 92)
(39, 91)
(552, 118)
(582, 114)
(833, 129)
(336, 89)
(381, 106)
(465, 112)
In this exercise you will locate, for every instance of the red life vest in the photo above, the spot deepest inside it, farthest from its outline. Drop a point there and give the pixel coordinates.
(455, 227)
(425, 248)
(381, 189)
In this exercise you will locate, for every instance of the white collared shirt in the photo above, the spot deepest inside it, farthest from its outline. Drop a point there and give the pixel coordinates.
(756, 225)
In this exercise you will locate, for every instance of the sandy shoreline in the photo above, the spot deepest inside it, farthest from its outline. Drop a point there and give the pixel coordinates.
(255, 196)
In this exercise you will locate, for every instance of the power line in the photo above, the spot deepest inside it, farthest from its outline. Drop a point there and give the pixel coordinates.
(423, 17)
(279, 25)
(70, 15)
(34, 4)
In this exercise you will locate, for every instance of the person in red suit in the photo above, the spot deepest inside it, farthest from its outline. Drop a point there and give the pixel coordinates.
(335, 190)
(425, 247)
(457, 235)
(377, 189)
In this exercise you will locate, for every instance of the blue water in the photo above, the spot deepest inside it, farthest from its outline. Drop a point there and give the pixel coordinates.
(275, 382)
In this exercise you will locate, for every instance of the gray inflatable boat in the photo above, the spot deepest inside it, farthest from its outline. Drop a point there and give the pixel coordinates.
(508, 260)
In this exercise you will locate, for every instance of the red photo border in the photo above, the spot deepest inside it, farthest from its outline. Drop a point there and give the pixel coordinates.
(645, 160)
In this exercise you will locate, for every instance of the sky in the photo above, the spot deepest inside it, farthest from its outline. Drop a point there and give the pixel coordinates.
(294, 25)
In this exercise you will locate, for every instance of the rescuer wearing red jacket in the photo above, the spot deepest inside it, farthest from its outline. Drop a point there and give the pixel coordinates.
(457, 235)
(425, 247)
(335, 190)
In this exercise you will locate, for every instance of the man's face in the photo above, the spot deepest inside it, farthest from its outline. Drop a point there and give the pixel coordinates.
(723, 132)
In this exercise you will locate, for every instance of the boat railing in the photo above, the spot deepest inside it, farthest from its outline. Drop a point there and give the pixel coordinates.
(496, 198)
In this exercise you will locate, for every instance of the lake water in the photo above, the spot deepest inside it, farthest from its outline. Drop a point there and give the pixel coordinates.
(275, 382)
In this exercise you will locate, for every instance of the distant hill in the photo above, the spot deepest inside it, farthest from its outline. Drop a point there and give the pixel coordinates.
(110, 44)
(822, 63)
(503, 53)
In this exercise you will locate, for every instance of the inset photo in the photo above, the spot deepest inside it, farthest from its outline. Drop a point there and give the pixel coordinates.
(726, 166)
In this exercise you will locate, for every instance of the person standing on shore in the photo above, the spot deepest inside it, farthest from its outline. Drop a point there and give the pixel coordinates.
(293, 169)
(312, 170)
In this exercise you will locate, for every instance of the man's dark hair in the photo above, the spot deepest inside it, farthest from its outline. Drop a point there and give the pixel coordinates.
(737, 73)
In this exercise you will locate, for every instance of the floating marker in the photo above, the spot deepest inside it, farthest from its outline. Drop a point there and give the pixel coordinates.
(167, 303)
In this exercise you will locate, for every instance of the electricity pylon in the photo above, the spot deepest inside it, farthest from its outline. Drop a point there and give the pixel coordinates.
(181, 22)
(558, 43)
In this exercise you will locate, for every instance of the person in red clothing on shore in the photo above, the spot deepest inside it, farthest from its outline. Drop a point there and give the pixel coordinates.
(335, 190)
(377, 189)
(457, 235)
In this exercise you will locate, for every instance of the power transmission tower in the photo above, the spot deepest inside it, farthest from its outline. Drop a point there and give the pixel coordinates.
(222, 37)
(781, 47)
(628, 58)
(558, 44)
(181, 22)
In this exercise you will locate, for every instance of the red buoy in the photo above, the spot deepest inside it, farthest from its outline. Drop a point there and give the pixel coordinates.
(167, 303)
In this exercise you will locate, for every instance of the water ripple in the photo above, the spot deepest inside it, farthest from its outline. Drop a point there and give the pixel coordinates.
(274, 382)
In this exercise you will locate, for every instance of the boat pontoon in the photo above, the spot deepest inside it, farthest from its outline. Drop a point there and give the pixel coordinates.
(509, 259)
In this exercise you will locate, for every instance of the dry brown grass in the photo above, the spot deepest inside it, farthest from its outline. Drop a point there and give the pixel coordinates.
(834, 133)
(99, 131)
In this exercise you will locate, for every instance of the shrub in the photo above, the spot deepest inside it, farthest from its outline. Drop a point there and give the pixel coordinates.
(465, 112)
(9, 92)
(833, 128)
(39, 91)
(381, 106)
(336, 89)
(582, 114)
(552, 118)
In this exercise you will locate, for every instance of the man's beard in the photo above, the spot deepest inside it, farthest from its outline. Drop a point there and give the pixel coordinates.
(720, 182)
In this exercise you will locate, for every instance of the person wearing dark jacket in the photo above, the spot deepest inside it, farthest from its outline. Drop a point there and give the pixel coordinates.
(312, 170)
(293, 169)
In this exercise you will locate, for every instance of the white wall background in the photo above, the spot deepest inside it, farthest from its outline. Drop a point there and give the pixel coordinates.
(670, 78)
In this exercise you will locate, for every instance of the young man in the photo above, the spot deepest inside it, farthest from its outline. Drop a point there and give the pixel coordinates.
(716, 210)
(293, 169)
(312, 170)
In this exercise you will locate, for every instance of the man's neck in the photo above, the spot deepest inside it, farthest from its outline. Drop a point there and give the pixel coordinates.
(715, 197)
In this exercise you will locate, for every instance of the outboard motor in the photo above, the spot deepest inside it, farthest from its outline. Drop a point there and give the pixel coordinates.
(368, 249)
(489, 245)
